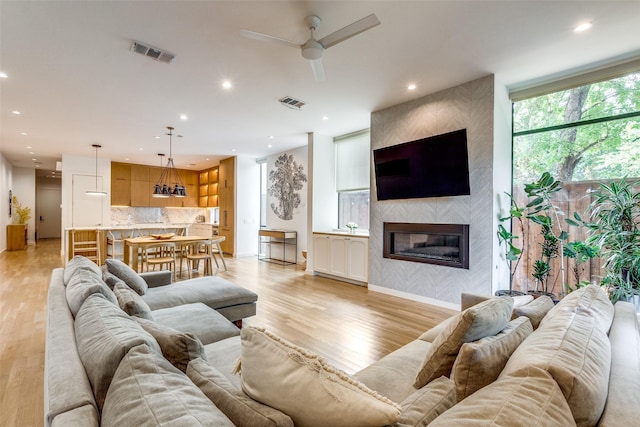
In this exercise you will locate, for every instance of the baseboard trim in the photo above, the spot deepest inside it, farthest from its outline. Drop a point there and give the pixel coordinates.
(414, 297)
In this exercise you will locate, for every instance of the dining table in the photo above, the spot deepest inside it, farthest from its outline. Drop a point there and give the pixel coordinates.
(133, 245)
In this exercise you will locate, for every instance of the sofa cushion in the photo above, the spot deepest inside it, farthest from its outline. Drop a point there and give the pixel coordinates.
(480, 362)
(528, 398)
(535, 310)
(572, 347)
(177, 347)
(305, 387)
(212, 291)
(79, 262)
(393, 375)
(622, 408)
(591, 301)
(104, 334)
(484, 319)
(240, 408)
(224, 355)
(131, 302)
(146, 390)
(197, 319)
(82, 284)
(423, 406)
(81, 416)
(110, 279)
(127, 274)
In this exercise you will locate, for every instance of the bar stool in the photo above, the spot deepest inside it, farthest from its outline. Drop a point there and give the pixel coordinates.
(160, 254)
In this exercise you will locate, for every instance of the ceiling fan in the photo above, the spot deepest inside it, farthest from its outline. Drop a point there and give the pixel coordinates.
(313, 49)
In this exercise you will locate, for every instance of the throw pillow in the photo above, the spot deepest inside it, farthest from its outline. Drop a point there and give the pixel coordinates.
(241, 410)
(535, 310)
(110, 279)
(147, 391)
(123, 272)
(177, 347)
(131, 302)
(480, 362)
(423, 406)
(305, 387)
(104, 334)
(484, 319)
(79, 262)
(81, 285)
(529, 398)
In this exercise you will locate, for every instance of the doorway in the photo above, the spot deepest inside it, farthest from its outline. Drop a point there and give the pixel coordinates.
(48, 205)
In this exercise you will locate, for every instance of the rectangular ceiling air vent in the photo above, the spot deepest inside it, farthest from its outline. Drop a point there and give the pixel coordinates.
(294, 104)
(152, 52)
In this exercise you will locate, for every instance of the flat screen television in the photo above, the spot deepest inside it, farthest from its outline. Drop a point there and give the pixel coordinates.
(436, 166)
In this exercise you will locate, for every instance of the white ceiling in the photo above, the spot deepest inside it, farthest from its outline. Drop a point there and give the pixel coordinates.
(76, 83)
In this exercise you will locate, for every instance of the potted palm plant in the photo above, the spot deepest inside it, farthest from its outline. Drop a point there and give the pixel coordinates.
(614, 227)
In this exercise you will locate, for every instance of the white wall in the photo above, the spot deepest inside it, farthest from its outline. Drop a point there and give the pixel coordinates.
(323, 205)
(24, 188)
(299, 220)
(6, 182)
(72, 165)
(247, 206)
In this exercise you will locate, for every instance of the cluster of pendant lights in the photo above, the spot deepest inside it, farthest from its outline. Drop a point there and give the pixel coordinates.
(169, 184)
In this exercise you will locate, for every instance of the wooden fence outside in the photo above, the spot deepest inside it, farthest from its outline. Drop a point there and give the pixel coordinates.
(574, 197)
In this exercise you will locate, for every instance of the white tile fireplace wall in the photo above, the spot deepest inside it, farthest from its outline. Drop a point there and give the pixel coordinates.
(469, 106)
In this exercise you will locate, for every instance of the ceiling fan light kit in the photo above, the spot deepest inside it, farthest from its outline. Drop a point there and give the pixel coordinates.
(169, 184)
(313, 49)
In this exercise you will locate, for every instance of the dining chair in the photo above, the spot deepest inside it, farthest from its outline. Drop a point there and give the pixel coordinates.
(216, 249)
(160, 254)
(200, 251)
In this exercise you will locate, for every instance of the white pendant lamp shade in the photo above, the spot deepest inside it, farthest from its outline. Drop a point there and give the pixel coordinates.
(96, 192)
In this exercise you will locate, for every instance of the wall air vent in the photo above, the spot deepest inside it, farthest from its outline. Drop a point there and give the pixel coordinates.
(152, 52)
(294, 104)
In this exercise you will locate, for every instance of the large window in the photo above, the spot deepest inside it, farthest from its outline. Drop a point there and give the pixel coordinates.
(352, 178)
(581, 136)
(263, 192)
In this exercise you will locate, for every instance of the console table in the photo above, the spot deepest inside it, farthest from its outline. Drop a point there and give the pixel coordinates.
(286, 240)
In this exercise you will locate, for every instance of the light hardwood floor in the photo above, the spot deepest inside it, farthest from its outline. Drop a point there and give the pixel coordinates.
(348, 325)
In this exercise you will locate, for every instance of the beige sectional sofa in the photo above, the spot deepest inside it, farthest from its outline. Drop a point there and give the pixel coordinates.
(486, 366)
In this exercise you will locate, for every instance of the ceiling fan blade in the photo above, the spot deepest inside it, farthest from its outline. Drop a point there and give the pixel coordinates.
(318, 69)
(349, 31)
(268, 38)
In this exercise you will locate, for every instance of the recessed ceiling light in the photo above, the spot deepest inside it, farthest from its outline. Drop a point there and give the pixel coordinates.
(271, 137)
(325, 118)
(3, 75)
(183, 117)
(140, 149)
(31, 152)
(23, 133)
(126, 158)
(29, 147)
(207, 159)
(156, 137)
(16, 112)
(269, 146)
(233, 150)
(34, 160)
(227, 84)
(37, 166)
(582, 27)
(411, 86)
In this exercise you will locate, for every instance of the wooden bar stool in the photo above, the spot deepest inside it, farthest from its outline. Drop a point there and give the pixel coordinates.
(215, 249)
(200, 251)
(160, 254)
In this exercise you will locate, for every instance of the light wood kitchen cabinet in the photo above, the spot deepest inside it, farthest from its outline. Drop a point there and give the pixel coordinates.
(132, 185)
(209, 188)
(341, 256)
(226, 200)
(120, 184)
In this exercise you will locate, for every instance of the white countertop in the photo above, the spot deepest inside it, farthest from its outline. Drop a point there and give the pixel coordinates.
(363, 233)
(132, 226)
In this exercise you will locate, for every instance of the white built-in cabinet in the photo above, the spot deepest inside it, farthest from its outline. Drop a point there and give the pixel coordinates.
(343, 256)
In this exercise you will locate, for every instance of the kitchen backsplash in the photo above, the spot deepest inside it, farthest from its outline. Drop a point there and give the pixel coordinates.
(124, 215)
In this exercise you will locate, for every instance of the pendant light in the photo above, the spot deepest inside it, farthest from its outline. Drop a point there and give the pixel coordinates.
(96, 192)
(169, 184)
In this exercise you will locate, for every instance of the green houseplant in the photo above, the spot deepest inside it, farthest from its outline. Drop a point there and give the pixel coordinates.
(541, 211)
(614, 227)
(22, 214)
(580, 252)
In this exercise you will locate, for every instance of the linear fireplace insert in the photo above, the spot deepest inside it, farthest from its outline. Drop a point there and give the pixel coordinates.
(441, 244)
